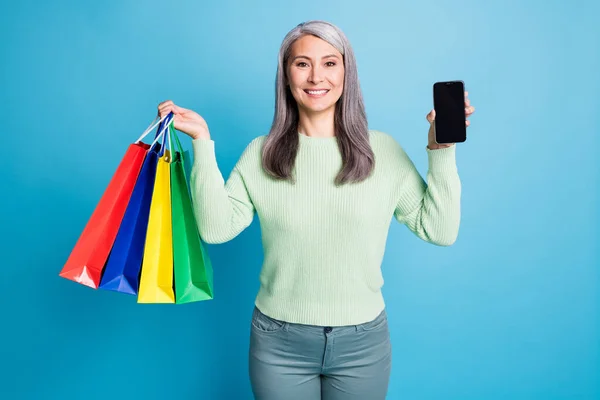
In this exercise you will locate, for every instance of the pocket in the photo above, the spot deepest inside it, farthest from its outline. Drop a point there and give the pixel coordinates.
(377, 323)
(264, 323)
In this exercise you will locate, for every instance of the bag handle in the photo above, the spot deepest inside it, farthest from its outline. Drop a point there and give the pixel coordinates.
(151, 127)
(169, 126)
(162, 130)
(177, 142)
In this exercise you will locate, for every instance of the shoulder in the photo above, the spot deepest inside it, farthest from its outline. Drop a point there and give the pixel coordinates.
(388, 150)
(252, 154)
(255, 145)
(383, 142)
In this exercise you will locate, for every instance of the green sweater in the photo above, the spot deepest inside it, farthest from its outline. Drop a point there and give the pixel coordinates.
(323, 245)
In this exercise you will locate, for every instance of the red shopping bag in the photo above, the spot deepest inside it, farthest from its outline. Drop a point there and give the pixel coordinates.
(87, 259)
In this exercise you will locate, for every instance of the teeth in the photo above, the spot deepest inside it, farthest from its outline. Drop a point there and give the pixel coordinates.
(317, 92)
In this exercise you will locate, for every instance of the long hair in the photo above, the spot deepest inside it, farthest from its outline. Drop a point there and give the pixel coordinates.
(350, 122)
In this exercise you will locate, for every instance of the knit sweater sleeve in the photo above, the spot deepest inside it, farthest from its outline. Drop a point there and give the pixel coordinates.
(223, 209)
(430, 209)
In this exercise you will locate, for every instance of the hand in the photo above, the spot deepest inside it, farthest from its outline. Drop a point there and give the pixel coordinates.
(184, 120)
(431, 117)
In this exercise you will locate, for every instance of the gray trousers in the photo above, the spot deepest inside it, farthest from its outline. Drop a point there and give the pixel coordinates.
(304, 362)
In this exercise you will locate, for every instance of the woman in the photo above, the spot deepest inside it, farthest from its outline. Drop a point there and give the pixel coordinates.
(325, 188)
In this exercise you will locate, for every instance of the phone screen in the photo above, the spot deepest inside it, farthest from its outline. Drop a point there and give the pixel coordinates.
(449, 106)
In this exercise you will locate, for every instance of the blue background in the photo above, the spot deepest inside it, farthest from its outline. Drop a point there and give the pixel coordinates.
(509, 312)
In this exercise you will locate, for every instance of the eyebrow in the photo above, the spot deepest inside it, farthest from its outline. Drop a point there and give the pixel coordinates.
(308, 58)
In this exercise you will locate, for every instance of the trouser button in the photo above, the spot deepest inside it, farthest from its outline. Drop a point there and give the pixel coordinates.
(328, 329)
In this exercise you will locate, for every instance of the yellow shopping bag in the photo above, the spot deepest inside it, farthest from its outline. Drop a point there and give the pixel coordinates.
(156, 280)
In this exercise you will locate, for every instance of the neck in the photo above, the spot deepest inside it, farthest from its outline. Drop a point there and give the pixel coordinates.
(317, 124)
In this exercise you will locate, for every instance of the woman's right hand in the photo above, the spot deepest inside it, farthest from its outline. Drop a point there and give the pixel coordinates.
(184, 120)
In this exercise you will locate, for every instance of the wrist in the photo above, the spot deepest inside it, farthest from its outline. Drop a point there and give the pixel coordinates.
(436, 146)
(200, 135)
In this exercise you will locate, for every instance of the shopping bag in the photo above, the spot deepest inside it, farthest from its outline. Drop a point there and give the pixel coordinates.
(156, 278)
(87, 259)
(193, 269)
(122, 269)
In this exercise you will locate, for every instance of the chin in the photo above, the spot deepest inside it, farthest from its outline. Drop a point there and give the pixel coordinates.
(318, 105)
(317, 108)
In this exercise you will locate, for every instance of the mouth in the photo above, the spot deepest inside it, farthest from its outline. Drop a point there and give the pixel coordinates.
(316, 92)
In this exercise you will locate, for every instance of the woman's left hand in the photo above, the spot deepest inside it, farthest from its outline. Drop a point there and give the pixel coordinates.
(469, 109)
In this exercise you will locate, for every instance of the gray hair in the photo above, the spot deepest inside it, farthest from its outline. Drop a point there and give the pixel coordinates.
(351, 127)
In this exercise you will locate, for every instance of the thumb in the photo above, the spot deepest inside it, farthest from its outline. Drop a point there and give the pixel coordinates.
(431, 116)
(179, 110)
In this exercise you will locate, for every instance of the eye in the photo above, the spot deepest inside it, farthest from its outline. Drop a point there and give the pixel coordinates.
(330, 64)
(301, 64)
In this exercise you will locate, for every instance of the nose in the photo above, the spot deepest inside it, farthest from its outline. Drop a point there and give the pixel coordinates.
(315, 75)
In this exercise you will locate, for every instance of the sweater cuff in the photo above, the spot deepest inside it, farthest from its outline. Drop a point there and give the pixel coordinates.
(204, 152)
(442, 159)
(205, 163)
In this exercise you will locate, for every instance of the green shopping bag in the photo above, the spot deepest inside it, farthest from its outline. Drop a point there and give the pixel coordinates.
(193, 273)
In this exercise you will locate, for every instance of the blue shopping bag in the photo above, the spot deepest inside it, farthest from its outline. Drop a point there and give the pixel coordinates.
(123, 268)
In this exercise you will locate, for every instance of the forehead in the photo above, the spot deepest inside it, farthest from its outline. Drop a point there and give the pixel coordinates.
(313, 47)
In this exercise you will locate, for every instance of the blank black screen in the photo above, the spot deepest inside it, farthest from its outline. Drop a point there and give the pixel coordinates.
(449, 105)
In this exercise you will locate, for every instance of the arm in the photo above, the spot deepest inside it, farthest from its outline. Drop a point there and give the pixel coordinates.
(222, 209)
(431, 210)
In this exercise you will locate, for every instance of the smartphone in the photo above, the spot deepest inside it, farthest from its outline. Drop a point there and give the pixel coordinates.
(449, 105)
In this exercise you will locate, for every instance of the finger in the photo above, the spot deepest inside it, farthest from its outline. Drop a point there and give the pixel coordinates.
(179, 110)
(165, 103)
(163, 111)
(469, 110)
(431, 116)
(467, 122)
(172, 107)
(162, 107)
(467, 103)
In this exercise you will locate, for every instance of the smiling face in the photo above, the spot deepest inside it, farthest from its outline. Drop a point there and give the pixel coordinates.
(315, 72)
